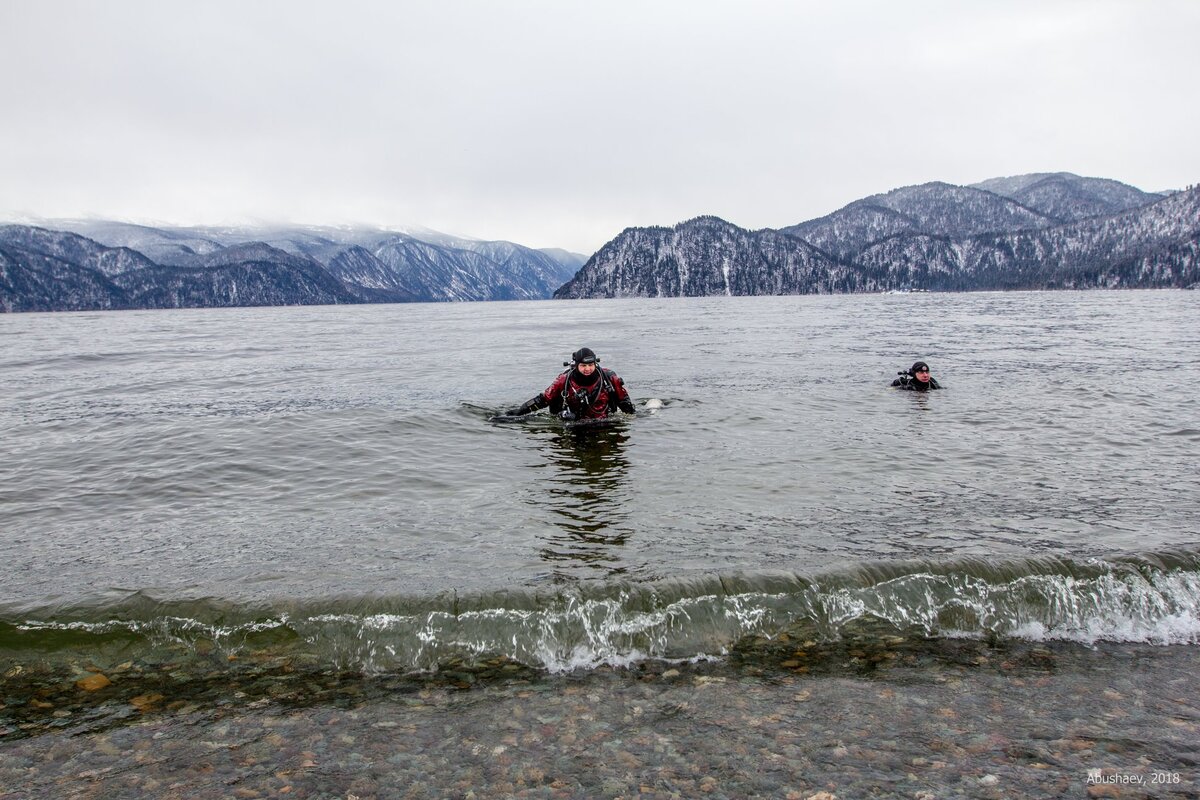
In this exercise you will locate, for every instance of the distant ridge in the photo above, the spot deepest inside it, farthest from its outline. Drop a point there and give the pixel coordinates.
(1043, 231)
(1069, 198)
(1037, 231)
(932, 208)
(74, 265)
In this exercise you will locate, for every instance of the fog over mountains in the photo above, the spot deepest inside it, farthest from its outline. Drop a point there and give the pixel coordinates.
(68, 265)
(1044, 231)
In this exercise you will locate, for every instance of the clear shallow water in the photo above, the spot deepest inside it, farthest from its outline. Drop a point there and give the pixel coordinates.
(976, 723)
(265, 520)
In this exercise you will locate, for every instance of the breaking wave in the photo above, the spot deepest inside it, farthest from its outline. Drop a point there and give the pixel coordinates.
(1152, 599)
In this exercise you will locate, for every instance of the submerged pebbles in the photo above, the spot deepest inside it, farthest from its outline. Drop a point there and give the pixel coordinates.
(782, 718)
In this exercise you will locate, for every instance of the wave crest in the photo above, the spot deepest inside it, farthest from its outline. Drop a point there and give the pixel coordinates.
(1152, 599)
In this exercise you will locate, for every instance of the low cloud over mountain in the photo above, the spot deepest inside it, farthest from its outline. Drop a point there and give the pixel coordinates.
(88, 265)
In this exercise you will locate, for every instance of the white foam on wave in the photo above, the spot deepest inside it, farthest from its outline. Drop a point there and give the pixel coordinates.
(175, 628)
(1119, 605)
(574, 632)
(1179, 629)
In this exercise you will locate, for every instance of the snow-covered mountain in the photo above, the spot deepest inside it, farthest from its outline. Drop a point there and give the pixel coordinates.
(44, 270)
(72, 249)
(1151, 246)
(1045, 230)
(1067, 197)
(163, 246)
(999, 205)
(58, 266)
(932, 208)
(934, 236)
(707, 256)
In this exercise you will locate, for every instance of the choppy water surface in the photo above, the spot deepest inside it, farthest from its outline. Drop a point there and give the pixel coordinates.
(324, 487)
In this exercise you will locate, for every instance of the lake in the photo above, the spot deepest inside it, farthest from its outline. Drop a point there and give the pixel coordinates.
(281, 518)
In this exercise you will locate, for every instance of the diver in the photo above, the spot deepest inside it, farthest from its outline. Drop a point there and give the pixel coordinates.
(584, 390)
(917, 379)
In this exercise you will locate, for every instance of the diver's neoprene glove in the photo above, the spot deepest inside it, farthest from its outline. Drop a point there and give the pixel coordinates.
(528, 407)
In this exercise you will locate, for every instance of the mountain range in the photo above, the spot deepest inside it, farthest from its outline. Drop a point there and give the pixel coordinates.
(1043, 231)
(1040, 231)
(71, 265)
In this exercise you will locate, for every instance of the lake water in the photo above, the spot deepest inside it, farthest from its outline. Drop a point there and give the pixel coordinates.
(201, 505)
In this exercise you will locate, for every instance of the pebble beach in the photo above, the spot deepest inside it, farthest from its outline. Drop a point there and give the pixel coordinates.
(922, 721)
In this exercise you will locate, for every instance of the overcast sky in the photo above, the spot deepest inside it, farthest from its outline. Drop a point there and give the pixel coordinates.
(559, 123)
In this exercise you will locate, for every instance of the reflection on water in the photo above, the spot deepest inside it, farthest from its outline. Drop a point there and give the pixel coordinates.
(584, 497)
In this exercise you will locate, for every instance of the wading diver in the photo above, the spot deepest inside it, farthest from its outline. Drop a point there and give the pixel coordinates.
(584, 390)
(917, 379)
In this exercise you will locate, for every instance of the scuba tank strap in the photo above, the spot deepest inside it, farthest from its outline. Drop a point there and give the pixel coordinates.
(566, 382)
(606, 380)
(606, 383)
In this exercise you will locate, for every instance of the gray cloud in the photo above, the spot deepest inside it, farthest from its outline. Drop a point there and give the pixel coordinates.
(559, 123)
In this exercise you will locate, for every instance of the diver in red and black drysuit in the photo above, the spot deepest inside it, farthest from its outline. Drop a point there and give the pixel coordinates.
(584, 391)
